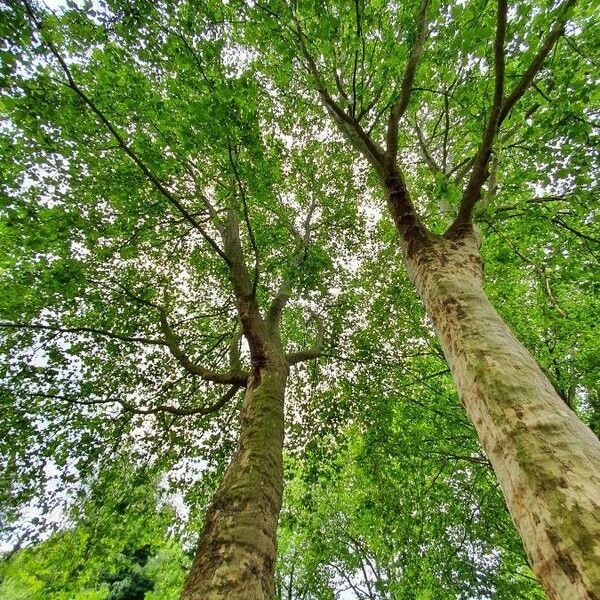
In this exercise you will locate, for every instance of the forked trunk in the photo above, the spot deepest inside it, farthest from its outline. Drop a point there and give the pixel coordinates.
(546, 460)
(237, 549)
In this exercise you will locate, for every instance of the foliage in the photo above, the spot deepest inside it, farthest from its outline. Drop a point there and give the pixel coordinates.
(112, 197)
(118, 547)
(348, 524)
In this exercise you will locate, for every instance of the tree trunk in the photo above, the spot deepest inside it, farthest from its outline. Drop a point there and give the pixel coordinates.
(547, 461)
(237, 549)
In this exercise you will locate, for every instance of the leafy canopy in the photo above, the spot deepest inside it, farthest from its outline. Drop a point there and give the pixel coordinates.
(132, 133)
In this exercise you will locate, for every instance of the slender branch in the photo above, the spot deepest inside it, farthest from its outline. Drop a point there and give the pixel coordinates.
(316, 351)
(479, 171)
(434, 132)
(161, 408)
(399, 202)
(370, 105)
(541, 200)
(213, 212)
(583, 236)
(254, 327)
(347, 123)
(512, 131)
(339, 86)
(536, 64)
(242, 192)
(283, 294)
(72, 400)
(129, 294)
(303, 355)
(240, 277)
(478, 460)
(541, 271)
(433, 166)
(183, 412)
(278, 304)
(446, 131)
(235, 363)
(188, 47)
(492, 187)
(235, 378)
(502, 106)
(238, 379)
(399, 108)
(461, 169)
(355, 67)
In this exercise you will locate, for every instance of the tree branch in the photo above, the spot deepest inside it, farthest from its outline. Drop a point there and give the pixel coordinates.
(92, 330)
(254, 327)
(283, 294)
(399, 108)
(339, 86)
(242, 192)
(541, 200)
(235, 363)
(501, 108)
(446, 131)
(237, 379)
(355, 67)
(558, 221)
(316, 351)
(158, 185)
(183, 412)
(479, 171)
(170, 341)
(536, 64)
(433, 166)
(174, 410)
(541, 271)
(348, 124)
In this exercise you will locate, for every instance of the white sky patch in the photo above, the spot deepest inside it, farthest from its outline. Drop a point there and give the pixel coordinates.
(62, 4)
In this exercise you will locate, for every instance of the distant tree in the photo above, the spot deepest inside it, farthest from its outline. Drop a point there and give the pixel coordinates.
(118, 549)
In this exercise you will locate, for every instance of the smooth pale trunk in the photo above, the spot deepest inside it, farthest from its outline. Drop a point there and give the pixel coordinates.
(546, 460)
(237, 549)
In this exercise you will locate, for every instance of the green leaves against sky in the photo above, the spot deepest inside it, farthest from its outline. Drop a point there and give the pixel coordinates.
(129, 129)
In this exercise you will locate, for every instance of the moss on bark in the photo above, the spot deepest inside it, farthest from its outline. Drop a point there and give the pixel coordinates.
(237, 549)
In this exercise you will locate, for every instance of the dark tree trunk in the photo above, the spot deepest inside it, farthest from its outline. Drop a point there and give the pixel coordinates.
(237, 549)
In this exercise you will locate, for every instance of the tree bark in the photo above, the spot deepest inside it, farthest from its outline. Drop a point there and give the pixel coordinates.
(547, 461)
(237, 549)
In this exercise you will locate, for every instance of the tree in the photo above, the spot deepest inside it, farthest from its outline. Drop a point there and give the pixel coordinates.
(118, 548)
(547, 461)
(352, 531)
(177, 220)
(162, 191)
(410, 481)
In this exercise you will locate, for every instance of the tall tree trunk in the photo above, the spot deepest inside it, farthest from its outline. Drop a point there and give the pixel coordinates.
(237, 549)
(547, 461)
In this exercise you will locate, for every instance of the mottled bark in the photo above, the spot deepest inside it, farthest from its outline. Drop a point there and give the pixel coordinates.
(237, 549)
(547, 461)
